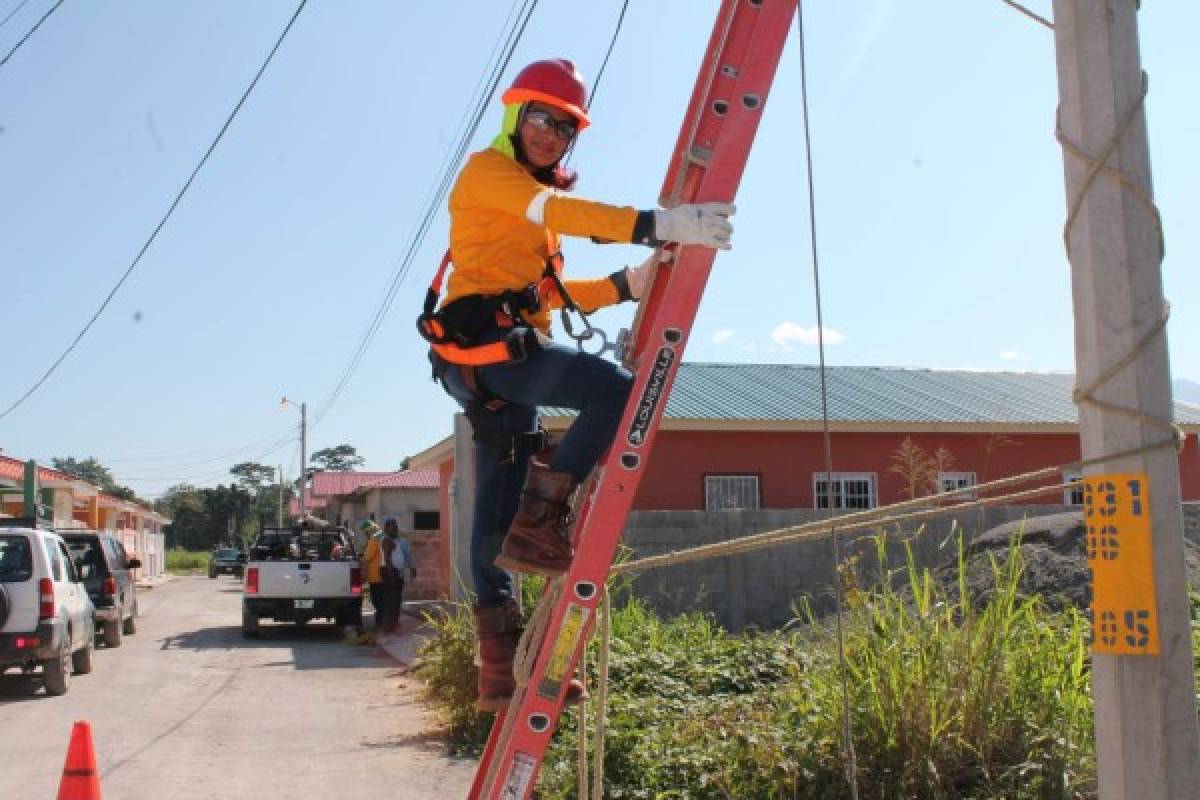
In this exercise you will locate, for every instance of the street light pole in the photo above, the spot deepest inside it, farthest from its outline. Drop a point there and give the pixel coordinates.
(284, 403)
(303, 458)
(279, 495)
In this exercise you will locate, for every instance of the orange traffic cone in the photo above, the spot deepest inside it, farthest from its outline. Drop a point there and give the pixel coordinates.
(80, 780)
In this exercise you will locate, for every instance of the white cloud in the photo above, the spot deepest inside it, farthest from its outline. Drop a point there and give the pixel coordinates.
(1013, 355)
(723, 335)
(787, 332)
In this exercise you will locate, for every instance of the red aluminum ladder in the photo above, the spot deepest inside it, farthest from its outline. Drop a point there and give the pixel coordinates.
(709, 157)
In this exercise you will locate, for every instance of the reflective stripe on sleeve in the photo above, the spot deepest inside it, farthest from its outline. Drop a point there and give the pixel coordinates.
(536, 212)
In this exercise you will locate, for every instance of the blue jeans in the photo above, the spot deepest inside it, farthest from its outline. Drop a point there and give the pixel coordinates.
(555, 376)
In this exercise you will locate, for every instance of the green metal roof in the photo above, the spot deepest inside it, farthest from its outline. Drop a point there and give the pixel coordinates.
(791, 393)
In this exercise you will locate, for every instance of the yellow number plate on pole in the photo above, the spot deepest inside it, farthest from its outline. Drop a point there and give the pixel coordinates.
(1120, 557)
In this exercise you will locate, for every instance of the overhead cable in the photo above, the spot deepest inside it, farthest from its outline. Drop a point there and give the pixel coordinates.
(79, 336)
(13, 13)
(608, 53)
(431, 210)
(32, 30)
(1035, 17)
(178, 460)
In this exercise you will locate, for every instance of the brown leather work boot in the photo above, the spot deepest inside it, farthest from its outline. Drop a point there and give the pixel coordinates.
(537, 540)
(499, 630)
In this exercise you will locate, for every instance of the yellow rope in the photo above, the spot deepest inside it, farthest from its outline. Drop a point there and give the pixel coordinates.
(1097, 166)
(884, 515)
(535, 631)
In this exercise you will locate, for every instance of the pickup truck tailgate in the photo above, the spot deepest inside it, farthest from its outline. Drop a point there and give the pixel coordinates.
(304, 578)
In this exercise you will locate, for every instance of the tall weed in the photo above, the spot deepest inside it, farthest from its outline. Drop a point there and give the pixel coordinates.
(947, 699)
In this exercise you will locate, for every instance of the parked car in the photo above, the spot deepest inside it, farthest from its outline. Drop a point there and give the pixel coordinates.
(45, 614)
(106, 568)
(226, 561)
(300, 574)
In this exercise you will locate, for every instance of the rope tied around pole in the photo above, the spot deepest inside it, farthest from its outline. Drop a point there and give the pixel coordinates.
(1097, 166)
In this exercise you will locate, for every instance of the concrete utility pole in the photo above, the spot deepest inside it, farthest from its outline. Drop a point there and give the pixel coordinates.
(279, 495)
(304, 459)
(1148, 747)
(284, 403)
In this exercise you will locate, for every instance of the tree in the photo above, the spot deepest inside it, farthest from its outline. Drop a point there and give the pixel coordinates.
(190, 526)
(92, 471)
(251, 475)
(88, 469)
(343, 458)
(919, 469)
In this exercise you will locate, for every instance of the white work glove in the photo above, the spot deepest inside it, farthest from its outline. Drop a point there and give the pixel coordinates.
(703, 224)
(638, 278)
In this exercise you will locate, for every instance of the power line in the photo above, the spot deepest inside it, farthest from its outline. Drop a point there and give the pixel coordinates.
(426, 220)
(603, 64)
(163, 221)
(612, 43)
(32, 30)
(13, 13)
(443, 185)
(215, 473)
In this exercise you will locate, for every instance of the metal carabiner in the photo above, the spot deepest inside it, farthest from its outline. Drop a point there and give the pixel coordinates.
(589, 332)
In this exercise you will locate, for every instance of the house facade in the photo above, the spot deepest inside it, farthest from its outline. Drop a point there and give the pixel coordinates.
(75, 504)
(751, 437)
(412, 498)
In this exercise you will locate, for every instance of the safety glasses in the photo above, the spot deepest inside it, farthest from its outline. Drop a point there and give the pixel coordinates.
(543, 121)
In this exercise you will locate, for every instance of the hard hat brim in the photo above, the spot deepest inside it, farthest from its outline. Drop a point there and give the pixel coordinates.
(516, 95)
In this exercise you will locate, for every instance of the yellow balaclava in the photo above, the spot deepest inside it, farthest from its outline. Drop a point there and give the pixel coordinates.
(508, 128)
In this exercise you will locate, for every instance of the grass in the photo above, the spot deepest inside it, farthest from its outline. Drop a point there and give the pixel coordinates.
(948, 698)
(187, 562)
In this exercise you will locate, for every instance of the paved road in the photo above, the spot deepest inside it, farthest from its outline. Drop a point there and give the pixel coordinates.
(187, 708)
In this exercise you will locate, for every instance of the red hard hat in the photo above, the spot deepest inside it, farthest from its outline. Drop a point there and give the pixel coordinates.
(554, 82)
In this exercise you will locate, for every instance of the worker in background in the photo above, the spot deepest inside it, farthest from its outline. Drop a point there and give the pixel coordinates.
(508, 208)
(397, 564)
(372, 567)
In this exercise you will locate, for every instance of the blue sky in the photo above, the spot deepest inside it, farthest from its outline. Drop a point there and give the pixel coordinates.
(939, 205)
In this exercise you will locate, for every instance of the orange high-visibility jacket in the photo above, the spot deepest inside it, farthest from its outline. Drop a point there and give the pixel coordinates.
(372, 561)
(502, 223)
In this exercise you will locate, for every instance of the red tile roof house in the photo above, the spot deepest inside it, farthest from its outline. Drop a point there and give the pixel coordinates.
(409, 496)
(749, 436)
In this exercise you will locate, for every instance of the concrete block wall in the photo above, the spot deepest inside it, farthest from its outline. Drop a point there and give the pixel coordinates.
(761, 588)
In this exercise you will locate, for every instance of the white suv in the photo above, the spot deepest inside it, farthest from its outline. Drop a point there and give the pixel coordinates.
(45, 613)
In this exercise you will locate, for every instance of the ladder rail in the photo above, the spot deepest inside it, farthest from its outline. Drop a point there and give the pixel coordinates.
(707, 165)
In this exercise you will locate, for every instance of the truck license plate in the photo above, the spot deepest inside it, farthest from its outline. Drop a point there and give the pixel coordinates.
(303, 603)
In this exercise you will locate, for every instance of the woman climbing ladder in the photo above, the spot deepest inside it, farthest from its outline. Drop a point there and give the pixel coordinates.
(491, 347)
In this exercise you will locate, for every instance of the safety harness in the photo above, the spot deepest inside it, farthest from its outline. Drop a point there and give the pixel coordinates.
(455, 332)
(462, 336)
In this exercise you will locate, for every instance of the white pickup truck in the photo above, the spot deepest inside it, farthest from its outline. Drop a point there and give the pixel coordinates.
(299, 574)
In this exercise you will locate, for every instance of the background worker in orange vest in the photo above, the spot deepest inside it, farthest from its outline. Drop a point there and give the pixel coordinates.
(507, 210)
(372, 567)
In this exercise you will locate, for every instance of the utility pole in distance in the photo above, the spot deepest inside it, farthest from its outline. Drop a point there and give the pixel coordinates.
(1147, 744)
(284, 403)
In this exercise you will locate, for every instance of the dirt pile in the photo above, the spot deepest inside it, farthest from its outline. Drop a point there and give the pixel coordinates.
(1052, 548)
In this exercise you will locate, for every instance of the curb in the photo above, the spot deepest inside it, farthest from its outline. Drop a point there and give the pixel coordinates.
(151, 583)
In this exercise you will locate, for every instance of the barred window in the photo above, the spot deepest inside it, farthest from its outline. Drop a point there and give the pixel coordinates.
(953, 481)
(854, 490)
(730, 492)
